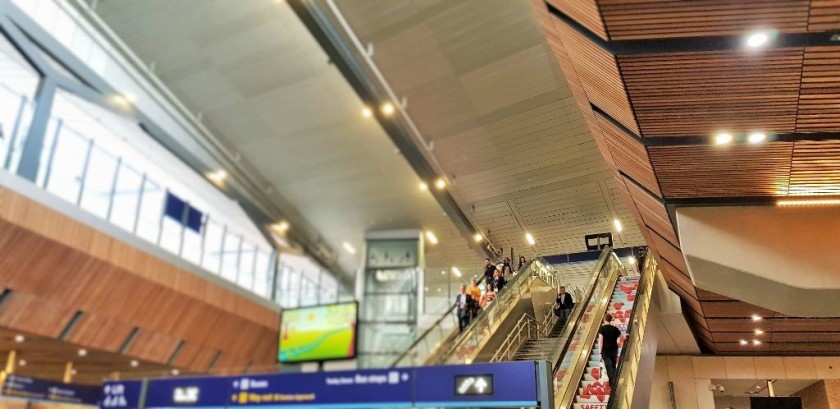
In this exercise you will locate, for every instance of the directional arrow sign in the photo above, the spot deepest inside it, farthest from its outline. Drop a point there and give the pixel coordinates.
(474, 384)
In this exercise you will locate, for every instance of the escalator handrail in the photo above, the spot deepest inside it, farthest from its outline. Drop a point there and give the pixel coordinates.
(504, 291)
(645, 285)
(437, 323)
(577, 311)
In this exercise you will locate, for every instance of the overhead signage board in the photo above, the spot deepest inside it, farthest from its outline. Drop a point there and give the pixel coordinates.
(40, 389)
(203, 392)
(121, 395)
(372, 388)
(504, 384)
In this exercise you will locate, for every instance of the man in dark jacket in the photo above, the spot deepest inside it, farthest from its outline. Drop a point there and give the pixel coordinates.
(564, 304)
(464, 305)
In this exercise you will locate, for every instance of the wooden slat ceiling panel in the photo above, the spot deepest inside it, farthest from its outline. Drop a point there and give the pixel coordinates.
(629, 156)
(713, 171)
(698, 94)
(815, 168)
(153, 346)
(669, 252)
(733, 309)
(653, 212)
(681, 280)
(584, 12)
(599, 74)
(100, 332)
(626, 20)
(820, 90)
(704, 295)
(195, 358)
(824, 15)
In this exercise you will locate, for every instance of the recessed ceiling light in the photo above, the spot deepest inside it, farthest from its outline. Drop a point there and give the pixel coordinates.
(423, 186)
(756, 342)
(743, 342)
(618, 226)
(530, 239)
(22, 362)
(477, 237)
(367, 112)
(349, 247)
(438, 290)
(218, 177)
(757, 137)
(82, 352)
(440, 183)
(757, 39)
(387, 108)
(134, 363)
(426, 289)
(756, 318)
(176, 372)
(130, 97)
(456, 271)
(809, 202)
(631, 260)
(758, 331)
(74, 372)
(442, 272)
(280, 227)
(19, 338)
(723, 138)
(431, 237)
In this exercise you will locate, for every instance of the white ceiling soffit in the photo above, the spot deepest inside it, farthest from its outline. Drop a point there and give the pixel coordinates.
(481, 85)
(267, 89)
(673, 334)
(781, 258)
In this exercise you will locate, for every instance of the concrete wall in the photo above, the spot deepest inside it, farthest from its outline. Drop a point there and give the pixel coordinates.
(821, 395)
(692, 375)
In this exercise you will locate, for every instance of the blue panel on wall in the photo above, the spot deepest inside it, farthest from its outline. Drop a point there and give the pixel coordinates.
(204, 392)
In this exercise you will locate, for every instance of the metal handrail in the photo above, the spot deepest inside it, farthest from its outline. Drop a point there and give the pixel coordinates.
(515, 339)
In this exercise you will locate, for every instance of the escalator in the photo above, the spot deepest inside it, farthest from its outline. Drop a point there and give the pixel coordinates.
(524, 303)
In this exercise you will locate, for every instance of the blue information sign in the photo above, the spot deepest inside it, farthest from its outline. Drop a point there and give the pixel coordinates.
(352, 389)
(504, 384)
(40, 389)
(204, 392)
(121, 395)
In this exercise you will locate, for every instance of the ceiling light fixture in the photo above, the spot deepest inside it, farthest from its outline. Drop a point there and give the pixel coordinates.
(82, 352)
(631, 260)
(176, 372)
(280, 227)
(349, 247)
(477, 237)
(456, 271)
(756, 318)
(756, 342)
(218, 177)
(387, 108)
(19, 338)
(22, 362)
(530, 239)
(756, 137)
(74, 372)
(367, 112)
(723, 138)
(134, 363)
(759, 331)
(757, 39)
(618, 227)
(743, 342)
(423, 186)
(442, 272)
(808, 202)
(130, 97)
(431, 237)
(440, 183)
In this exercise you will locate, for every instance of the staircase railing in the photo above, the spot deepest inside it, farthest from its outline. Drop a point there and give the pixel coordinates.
(631, 353)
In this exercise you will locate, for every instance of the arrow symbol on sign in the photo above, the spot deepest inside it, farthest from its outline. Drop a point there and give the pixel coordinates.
(465, 386)
(481, 384)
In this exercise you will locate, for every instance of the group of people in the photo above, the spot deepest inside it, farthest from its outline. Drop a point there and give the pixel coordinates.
(471, 300)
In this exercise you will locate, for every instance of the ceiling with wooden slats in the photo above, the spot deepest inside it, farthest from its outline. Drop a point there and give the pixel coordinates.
(653, 108)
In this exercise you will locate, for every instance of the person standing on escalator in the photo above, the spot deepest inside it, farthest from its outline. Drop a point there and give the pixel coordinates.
(489, 269)
(608, 336)
(563, 305)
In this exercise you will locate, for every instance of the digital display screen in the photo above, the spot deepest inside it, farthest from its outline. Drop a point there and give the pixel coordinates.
(320, 333)
(473, 385)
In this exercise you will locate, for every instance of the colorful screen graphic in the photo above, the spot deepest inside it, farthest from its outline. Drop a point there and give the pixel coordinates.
(319, 333)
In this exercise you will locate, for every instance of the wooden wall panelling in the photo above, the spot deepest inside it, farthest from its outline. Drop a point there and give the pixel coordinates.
(194, 357)
(29, 313)
(815, 168)
(682, 282)
(599, 75)
(733, 309)
(698, 94)
(653, 212)
(100, 332)
(629, 156)
(820, 89)
(814, 336)
(584, 12)
(626, 20)
(702, 171)
(704, 295)
(824, 15)
(153, 346)
(229, 364)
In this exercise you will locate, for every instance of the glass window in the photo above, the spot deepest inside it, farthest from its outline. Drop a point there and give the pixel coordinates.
(247, 260)
(126, 197)
(62, 176)
(212, 260)
(262, 274)
(18, 82)
(230, 256)
(99, 180)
